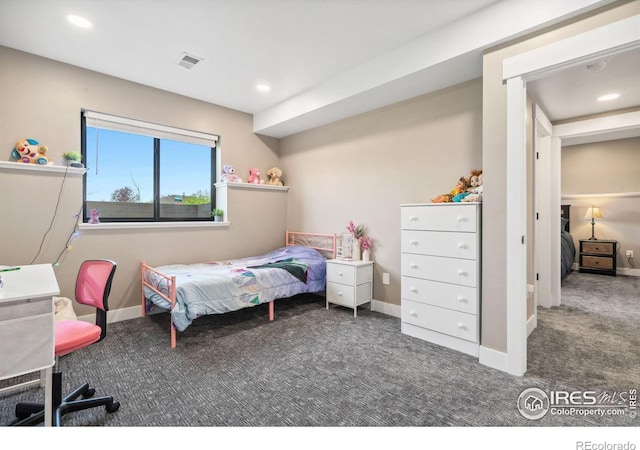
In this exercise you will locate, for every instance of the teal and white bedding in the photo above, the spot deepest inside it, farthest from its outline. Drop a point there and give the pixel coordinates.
(223, 286)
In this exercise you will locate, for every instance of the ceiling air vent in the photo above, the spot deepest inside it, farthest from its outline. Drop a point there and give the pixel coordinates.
(188, 61)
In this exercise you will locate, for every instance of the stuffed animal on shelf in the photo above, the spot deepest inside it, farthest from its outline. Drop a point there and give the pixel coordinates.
(254, 176)
(94, 216)
(273, 177)
(29, 151)
(229, 174)
(476, 190)
(461, 186)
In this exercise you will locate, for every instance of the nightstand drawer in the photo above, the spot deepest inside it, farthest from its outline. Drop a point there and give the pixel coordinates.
(349, 296)
(598, 248)
(597, 262)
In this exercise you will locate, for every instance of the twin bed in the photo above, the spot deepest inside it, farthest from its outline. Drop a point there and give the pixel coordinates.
(189, 291)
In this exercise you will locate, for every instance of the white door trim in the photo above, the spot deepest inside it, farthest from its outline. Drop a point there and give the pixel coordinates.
(537, 63)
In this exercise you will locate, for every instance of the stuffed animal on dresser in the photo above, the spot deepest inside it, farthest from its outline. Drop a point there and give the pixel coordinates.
(229, 174)
(273, 177)
(461, 186)
(476, 190)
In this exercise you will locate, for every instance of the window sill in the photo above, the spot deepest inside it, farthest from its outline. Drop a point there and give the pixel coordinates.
(147, 225)
(10, 165)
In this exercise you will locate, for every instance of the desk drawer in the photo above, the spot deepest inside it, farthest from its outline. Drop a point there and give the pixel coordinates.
(453, 323)
(27, 344)
(440, 243)
(25, 308)
(350, 296)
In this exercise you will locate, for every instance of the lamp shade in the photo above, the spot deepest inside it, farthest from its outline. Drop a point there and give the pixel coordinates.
(593, 213)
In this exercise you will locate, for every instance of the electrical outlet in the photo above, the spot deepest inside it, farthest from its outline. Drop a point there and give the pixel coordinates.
(385, 278)
(629, 253)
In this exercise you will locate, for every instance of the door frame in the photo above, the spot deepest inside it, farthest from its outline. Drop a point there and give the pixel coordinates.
(581, 49)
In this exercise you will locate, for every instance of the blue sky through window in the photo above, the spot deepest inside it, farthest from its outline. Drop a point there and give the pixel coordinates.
(124, 159)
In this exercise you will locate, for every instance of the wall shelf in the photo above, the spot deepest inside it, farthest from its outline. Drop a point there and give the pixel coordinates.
(49, 168)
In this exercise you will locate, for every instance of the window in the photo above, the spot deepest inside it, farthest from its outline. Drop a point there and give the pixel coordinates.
(138, 171)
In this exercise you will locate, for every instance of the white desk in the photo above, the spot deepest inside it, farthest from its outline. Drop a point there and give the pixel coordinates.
(27, 324)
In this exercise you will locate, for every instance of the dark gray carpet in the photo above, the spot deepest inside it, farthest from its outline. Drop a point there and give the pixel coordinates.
(310, 367)
(591, 341)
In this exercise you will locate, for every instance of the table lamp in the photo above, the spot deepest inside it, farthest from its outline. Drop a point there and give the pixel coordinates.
(593, 213)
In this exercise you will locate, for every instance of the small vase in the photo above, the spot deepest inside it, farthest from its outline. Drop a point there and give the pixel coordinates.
(356, 250)
(366, 255)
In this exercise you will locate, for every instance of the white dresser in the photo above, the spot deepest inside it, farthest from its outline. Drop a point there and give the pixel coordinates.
(441, 274)
(349, 283)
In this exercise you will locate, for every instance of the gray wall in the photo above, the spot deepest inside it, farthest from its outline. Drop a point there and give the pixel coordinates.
(605, 174)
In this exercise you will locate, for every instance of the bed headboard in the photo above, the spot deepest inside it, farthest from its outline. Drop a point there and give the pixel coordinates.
(565, 212)
(324, 243)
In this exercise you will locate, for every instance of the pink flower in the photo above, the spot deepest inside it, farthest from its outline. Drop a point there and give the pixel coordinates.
(357, 231)
(365, 242)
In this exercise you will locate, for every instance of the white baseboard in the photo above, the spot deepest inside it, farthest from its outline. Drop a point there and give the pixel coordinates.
(628, 271)
(116, 315)
(493, 358)
(532, 323)
(385, 308)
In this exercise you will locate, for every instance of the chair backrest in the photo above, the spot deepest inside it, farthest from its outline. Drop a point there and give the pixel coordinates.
(93, 287)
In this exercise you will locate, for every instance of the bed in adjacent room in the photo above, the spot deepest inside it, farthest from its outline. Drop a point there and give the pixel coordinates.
(189, 291)
(567, 247)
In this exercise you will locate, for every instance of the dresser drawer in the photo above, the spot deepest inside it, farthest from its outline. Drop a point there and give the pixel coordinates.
(436, 268)
(445, 295)
(598, 248)
(442, 320)
(597, 262)
(458, 217)
(440, 243)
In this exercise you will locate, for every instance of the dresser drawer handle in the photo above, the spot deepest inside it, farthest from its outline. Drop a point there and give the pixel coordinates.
(339, 294)
(462, 245)
(413, 314)
(462, 299)
(340, 274)
(461, 272)
(413, 289)
(413, 218)
(413, 266)
(462, 326)
(413, 242)
(461, 219)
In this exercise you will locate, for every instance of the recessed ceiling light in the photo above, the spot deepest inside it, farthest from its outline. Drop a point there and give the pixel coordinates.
(79, 21)
(608, 97)
(263, 88)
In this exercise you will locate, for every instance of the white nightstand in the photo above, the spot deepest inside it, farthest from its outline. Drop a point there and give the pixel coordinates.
(349, 283)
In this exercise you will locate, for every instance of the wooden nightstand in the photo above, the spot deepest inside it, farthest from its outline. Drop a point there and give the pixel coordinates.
(598, 256)
(349, 283)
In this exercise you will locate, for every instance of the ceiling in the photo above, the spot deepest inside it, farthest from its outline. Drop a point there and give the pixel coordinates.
(324, 60)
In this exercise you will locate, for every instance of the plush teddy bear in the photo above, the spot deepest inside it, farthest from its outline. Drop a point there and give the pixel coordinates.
(229, 174)
(461, 186)
(29, 151)
(273, 177)
(94, 216)
(254, 176)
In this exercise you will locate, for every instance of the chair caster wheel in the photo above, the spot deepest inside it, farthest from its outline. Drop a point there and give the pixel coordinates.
(113, 407)
(89, 393)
